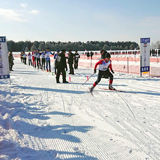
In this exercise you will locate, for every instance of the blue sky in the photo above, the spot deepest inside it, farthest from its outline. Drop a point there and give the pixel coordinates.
(80, 20)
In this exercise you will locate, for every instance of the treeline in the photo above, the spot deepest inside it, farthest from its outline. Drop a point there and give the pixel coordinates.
(80, 46)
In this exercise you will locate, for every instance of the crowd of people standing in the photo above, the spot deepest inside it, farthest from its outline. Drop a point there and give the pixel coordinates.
(41, 60)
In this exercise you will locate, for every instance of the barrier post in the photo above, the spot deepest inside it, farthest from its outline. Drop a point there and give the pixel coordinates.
(128, 64)
(140, 66)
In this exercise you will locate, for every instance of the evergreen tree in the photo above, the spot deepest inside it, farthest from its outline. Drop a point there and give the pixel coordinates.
(81, 46)
(126, 48)
(41, 46)
(131, 47)
(33, 47)
(26, 49)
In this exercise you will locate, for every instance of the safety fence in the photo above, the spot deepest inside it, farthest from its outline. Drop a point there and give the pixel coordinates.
(125, 64)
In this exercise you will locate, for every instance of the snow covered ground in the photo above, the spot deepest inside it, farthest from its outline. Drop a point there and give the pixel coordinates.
(40, 119)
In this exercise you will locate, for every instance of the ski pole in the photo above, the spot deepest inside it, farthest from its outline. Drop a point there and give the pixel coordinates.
(88, 78)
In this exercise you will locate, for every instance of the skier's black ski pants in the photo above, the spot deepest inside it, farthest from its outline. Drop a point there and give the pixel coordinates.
(101, 73)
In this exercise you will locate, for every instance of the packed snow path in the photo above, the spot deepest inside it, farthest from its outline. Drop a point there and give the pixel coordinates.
(40, 119)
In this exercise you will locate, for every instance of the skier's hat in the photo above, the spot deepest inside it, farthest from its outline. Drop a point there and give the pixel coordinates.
(106, 55)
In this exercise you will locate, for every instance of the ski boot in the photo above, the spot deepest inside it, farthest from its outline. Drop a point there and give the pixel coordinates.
(111, 87)
(91, 89)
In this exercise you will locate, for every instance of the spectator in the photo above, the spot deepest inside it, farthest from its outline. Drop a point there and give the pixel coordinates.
(76, 59)
(70, 62)
(10, 59)
(61, 66)
(91, 54)
(88, 55)
(103, 52)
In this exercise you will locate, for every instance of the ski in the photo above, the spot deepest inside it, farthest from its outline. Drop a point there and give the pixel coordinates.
(112, 90)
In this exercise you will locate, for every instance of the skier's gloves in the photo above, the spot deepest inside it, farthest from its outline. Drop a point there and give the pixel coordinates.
(112, 71)
(94, 70)
(66, 69)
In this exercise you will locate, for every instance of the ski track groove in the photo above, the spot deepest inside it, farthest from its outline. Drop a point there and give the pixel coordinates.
(70, 104)
(114, 125)
(146, 107)
(75, 104)
(95, 113)
(122, 131)
(133, 132)
(134, 86)
(80, 146)
(92, 143)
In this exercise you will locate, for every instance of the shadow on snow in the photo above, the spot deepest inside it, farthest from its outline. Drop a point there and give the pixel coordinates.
(51, 89)
(12, 149)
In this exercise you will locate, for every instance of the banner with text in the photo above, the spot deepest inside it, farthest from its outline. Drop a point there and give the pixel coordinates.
(145, 54)
(4, 64)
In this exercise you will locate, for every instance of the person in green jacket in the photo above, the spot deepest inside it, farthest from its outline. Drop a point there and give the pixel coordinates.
(10, 59)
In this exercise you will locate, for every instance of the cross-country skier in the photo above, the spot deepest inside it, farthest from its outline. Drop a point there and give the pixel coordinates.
(48, 63)
(43, 54)
(103, 52)
(38, 54)
(55, 61)
(29, 59)
(34, 58)
(24, 57)
(105, 66)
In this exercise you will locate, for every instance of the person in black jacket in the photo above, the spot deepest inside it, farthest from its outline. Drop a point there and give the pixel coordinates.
(70, 62)
(76, 58)
(61, 66)
(91, 54)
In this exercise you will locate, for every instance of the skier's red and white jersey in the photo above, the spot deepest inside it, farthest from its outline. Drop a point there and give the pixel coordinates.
(34, 55)
(103, 65)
